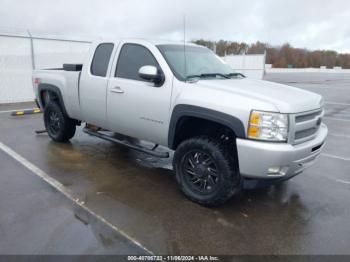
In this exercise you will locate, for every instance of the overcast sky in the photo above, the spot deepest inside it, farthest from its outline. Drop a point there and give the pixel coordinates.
(314, 24)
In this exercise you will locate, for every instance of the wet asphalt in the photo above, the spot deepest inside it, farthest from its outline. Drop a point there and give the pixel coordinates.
(138, 194)
(37, 219)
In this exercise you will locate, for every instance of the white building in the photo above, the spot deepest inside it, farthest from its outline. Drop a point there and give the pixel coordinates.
(252, 66)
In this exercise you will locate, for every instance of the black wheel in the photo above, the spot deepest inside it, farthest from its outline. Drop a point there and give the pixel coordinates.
(59, 127)
(206, 171)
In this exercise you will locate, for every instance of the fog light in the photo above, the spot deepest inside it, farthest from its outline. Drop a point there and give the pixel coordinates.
(274, 170)
(277, 171)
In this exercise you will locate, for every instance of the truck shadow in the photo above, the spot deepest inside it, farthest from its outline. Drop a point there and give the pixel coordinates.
(139, 194)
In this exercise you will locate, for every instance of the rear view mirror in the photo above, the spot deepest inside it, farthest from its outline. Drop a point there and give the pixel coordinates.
(150, 73)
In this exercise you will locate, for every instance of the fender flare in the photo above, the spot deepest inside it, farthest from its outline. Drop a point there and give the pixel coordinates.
(54, 89)
(183, 110)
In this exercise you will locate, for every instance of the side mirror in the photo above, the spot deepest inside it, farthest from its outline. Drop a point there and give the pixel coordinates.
(150, 73)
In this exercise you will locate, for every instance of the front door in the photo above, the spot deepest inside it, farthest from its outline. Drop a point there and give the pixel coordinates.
(135, 107)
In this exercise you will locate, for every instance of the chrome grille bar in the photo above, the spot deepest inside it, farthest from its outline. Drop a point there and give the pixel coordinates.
(304, 126)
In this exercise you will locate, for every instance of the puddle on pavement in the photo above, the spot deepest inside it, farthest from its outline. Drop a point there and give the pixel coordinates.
(139, 194)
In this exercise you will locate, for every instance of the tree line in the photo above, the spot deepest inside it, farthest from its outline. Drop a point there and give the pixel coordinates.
(281, 56)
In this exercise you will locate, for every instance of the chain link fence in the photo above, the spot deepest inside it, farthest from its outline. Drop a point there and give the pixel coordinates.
(21, 52)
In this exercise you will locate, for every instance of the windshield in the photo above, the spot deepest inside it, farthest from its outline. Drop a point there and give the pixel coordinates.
(200, 62)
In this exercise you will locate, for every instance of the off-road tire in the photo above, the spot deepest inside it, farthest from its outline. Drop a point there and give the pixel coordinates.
(59, 127)
(229, 180)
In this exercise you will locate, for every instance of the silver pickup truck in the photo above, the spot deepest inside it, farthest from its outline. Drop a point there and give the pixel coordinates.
(223, 127)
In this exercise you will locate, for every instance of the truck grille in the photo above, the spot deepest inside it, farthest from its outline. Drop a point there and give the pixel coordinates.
(304, 126)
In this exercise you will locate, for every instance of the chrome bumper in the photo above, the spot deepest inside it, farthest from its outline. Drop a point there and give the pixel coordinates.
(256, 158)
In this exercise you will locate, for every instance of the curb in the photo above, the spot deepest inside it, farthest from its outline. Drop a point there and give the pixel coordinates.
(26, 112)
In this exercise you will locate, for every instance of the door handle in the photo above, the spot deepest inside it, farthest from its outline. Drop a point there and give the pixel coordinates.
(117, 89)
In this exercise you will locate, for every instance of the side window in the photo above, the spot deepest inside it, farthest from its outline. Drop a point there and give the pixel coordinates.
(131, 58)
(101, 59)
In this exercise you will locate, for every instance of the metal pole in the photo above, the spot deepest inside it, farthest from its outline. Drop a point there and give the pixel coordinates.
(185, 61)
(264, 66)
(243, 63)
(32, 49)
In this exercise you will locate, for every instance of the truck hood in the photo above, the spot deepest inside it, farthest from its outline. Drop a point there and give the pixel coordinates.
(285, 98)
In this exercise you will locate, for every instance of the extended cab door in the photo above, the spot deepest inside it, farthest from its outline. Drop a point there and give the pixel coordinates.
(136, 107)
(93, 85)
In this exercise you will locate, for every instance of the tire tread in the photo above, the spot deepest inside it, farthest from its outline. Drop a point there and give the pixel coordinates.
(232, 180)
(69, 126)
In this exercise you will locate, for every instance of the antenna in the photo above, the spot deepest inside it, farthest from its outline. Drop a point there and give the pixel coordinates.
(185, 62)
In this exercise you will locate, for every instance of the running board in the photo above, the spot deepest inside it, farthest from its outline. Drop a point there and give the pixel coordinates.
(127, 144)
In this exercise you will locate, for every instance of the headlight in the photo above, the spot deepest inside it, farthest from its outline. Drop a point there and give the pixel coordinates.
(268, 126)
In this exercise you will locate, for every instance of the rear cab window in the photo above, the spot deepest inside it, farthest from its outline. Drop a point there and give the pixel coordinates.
(100, 61)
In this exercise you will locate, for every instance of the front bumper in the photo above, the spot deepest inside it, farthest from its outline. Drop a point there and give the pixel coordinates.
(256, 157)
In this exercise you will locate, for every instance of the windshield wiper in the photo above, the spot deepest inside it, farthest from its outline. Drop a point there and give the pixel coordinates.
(208, 75)
(235, 75)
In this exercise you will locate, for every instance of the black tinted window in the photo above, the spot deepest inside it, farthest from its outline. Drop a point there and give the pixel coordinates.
(101, 58)
(132, 57)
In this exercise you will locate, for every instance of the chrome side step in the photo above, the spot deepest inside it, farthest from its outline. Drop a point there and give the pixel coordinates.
(127, 144)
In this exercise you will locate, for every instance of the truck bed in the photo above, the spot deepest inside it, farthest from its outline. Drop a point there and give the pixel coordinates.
(67, 80)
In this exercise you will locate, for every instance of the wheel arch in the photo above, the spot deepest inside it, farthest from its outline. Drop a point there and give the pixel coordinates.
(184, 111)
(54, 93)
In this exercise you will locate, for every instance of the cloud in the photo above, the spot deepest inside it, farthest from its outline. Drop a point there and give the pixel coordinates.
(314, 24)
